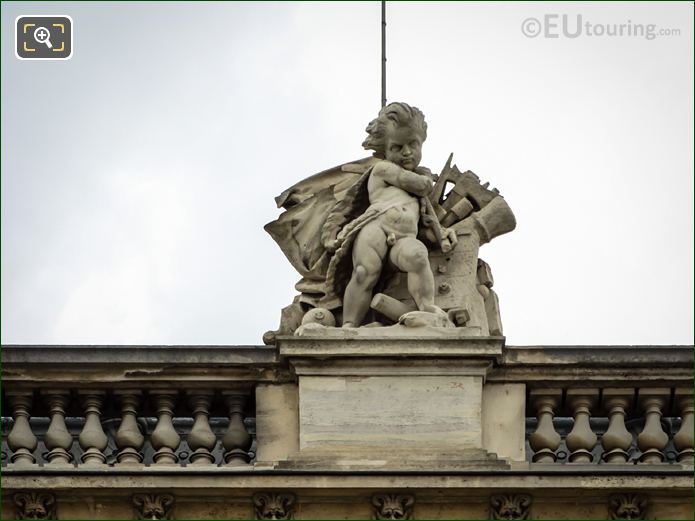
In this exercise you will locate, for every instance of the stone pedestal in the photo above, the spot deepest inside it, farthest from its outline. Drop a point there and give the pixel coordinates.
(379, 402)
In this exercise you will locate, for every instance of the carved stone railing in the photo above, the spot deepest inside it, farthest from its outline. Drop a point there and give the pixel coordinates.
(179, 406)
(605, 405)
(386, 428)
(126, 407)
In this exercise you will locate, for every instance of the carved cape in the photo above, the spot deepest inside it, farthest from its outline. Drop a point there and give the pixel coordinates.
(316, 210)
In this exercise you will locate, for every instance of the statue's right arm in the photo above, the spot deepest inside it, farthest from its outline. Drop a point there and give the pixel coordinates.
(411, 182)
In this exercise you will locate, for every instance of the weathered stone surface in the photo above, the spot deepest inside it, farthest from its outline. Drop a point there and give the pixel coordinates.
(372, 343)
(384, 411)
(277, 421)
(504, 420)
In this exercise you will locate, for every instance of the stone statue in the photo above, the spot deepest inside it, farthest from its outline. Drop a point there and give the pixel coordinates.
(388, 229)
(376, 240)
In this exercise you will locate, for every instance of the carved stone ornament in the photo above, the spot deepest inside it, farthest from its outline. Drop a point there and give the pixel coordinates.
(274, 505)
(510, 506)
(153, 506)
(383, 242)
(35, 505)
(393, 506)
(627, 506)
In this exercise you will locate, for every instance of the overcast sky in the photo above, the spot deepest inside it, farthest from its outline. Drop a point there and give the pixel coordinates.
(137, 176)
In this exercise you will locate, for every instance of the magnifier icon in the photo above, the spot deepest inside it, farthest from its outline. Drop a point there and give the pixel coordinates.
(43, 35)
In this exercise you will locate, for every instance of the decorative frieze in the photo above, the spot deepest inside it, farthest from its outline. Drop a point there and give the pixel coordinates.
(393, 506)
(274, 505)
(627, 506)
(510, 506)
(35, 505)
(153, 506)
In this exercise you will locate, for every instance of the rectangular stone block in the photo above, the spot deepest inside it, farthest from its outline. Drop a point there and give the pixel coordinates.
(504, 420)
(277, 417)
(390, 412)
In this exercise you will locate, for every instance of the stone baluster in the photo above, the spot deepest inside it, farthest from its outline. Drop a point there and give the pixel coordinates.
(652, 440)
(21, 440)
(617, 440)
(129, 439)
(92, 439)
(165, 439)
(683, 439)
(58, 439)
(545, 440)
(581, 440)
(237, 441)
(201, 440)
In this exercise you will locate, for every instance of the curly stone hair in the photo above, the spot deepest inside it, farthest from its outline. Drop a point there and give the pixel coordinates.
(394, 114)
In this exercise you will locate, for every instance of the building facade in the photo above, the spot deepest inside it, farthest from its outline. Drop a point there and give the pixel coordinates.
(328, 428)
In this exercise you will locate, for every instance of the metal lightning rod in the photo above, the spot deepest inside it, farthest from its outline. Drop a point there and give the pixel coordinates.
(383, 53)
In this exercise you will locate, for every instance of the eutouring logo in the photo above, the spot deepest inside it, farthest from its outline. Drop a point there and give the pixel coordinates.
(555, 25)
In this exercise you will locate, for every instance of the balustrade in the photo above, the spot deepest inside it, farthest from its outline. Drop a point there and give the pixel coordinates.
(206, 423)
(651, 438)
(21, 439)
(237, 441)
(201, 439)
(129, 434)
(129, 439)
(683, 439)
(57, 439)
(545, 440)
(93, 439)
(582, 439)
(617, 440)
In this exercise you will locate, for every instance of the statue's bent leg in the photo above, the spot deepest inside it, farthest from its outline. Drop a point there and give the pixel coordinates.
(368, 255)
(410, 255)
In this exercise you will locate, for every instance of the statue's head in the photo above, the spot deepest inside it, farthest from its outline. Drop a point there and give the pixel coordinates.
(397, 134)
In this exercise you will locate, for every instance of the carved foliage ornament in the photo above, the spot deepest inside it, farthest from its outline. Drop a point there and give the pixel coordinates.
(510, 506)
(393, 506)
(272, 505)
(153, 506)
(627, 506)
(35, 505)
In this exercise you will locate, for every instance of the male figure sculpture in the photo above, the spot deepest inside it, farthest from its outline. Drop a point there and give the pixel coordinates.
(395, 189)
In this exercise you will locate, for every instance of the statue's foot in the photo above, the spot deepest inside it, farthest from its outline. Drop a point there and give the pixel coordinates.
(426, 318)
